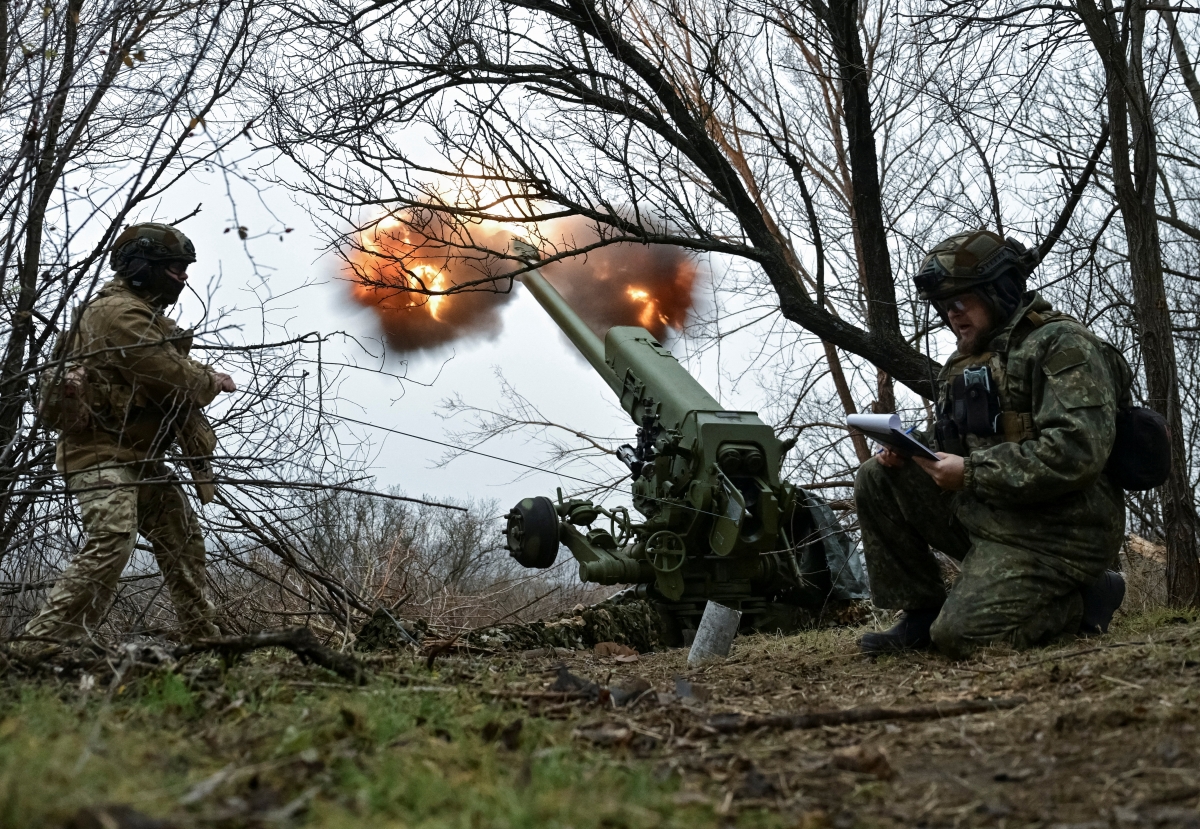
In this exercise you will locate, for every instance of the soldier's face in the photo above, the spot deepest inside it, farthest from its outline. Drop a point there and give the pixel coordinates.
(969, 320)
(178, 271)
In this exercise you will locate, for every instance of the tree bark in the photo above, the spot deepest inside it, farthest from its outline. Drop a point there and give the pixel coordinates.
(843, 389)
(1135, 186)
(866, 205)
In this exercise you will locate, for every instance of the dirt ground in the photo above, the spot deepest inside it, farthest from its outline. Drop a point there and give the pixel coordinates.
(1091, 733)
(1106, 735)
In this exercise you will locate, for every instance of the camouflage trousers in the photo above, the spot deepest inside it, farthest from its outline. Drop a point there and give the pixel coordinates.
(1022, 570)
(116, 506)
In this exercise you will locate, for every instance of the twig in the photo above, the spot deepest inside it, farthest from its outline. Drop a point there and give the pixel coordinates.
(735, 723)
(1073, 197)
(299, 641)
(546, 695)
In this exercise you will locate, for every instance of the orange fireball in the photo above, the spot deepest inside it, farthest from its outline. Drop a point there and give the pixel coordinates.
(400, 272)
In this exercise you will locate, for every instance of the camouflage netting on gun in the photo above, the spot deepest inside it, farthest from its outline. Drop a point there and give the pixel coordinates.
(383, 631)
(788, 619)
(635, 623)
(632, 623)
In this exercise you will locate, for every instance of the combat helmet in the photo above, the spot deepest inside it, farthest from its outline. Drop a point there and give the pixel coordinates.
(151, 242)
(968, 261)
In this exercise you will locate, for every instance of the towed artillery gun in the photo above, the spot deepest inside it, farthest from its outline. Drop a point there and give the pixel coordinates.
(718, 522)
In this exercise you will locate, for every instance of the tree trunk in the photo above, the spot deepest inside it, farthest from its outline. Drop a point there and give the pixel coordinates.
(866, 203)
(843, 389)
(1135, 186)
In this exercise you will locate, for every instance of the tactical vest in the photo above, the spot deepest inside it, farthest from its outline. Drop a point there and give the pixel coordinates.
(984, 400)
(83, 395)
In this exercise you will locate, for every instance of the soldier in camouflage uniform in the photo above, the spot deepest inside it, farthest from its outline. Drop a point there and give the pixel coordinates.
(142, 393)
(1026, 421)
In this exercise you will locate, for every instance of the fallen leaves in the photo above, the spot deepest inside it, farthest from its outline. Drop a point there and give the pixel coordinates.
(863, 759)
(618, 652)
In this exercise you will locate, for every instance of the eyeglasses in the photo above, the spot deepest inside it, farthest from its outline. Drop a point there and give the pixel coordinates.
(951, 304)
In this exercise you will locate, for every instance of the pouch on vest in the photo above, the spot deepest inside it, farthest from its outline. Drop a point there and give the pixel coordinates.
(63, 393)
(976, 402)
(198, 441)
(945, 433)
(1141, 453)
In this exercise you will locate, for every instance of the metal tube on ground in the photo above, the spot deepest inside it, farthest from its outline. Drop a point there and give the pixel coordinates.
(714, 636)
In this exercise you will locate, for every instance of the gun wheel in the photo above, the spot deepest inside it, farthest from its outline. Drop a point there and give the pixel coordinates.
(532, 532)
(666, 551)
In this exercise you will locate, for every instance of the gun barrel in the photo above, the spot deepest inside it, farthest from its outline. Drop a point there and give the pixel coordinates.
(568, 321)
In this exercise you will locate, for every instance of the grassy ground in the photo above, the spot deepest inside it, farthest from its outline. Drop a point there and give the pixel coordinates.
(1106, 738)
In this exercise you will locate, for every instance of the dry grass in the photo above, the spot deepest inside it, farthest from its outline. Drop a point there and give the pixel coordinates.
(1105, 736)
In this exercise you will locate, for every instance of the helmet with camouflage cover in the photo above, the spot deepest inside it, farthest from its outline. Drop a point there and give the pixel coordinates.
(150, 242)
(978, 262)
(968, 261)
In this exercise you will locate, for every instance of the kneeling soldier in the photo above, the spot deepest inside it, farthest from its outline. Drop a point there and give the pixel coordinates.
(123, 372)
(1026, 412)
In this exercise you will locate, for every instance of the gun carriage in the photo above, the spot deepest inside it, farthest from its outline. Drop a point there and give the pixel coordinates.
(717, 522)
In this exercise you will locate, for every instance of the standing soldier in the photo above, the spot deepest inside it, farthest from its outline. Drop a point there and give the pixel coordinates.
(1021, 495)
(122, 390)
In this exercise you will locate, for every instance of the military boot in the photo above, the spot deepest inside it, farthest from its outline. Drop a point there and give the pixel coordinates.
(911, 633)
(1100, 601)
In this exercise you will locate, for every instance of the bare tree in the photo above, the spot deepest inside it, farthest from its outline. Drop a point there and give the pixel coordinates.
(112, 108)
(654, 121)
(108, 106)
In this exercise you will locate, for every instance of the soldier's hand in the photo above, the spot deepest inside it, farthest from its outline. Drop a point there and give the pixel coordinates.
(224, 382)
(948, 471)
(889, 457)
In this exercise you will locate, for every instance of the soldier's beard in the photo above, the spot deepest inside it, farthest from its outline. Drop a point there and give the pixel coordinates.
(974, 339)
(973, 342)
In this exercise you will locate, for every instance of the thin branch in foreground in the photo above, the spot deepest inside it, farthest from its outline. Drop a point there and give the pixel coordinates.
(299, 641)
(736, 723)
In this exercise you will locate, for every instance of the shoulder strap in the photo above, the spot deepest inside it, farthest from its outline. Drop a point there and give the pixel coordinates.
(1039, 319)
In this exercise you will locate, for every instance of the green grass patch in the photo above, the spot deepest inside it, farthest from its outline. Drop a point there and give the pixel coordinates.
(254, 746)
(1158, 619)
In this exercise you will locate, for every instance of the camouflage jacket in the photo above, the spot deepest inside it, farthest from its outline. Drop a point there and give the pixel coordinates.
(1060, 386)
(142, 384)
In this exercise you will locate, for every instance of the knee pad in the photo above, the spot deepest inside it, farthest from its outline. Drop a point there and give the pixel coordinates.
(948, 638)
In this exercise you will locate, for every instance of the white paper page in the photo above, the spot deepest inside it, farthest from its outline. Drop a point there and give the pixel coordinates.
(875, 422)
